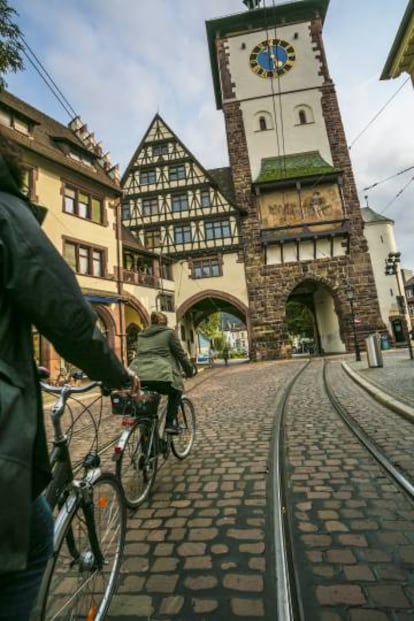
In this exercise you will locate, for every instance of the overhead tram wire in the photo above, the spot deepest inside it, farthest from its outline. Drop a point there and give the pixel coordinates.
(374, 185)
(374, 118)
(48, 80)
(282, 127)
(397, 195)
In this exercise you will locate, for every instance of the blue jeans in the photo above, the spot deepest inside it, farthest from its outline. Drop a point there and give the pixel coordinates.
(19, 589)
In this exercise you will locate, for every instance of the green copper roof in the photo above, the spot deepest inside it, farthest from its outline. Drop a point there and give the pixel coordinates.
(259, 19)
(294, 166)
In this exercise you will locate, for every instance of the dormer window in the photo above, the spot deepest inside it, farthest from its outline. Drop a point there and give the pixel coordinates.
(9, 119)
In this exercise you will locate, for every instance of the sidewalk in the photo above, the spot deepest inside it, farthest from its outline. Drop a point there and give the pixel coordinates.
(392, 384)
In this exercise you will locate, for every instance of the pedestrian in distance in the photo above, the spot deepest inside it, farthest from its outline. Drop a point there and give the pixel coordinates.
(211, 357)
(226, 355)
(37, 288)
(160, 362)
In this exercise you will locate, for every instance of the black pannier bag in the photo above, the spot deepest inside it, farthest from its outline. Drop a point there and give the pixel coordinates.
(145, 403)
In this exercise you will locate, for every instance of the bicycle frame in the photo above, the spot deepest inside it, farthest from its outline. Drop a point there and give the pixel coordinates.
(64, 490)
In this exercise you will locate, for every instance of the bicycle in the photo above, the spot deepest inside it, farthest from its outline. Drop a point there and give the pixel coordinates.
(144, 440)
(90, 526)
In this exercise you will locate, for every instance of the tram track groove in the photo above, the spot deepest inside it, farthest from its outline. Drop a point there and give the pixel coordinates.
(349, 529)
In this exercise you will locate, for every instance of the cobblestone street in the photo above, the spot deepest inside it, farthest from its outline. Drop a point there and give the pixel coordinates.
(202, 547)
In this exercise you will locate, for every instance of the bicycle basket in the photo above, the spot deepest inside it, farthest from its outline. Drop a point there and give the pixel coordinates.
(126, 405)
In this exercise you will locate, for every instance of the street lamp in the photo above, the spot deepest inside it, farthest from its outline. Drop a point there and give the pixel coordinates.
(391, 269)
(350, 297)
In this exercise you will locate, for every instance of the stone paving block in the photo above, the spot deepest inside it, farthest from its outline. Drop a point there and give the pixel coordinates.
(340, 594)
(248, 608)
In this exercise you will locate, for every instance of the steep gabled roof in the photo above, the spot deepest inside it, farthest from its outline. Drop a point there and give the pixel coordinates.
(46, 137)
(218, 177)
(224, 180)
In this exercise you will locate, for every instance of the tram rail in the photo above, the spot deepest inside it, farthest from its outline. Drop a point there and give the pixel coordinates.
(290, 594)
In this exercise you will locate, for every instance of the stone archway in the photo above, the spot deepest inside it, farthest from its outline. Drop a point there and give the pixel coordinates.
(199, 306)
(240, 310)
(324, 304)
(106, 323)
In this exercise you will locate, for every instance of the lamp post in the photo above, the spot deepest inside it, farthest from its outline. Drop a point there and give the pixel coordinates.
(391, 269)
(350, 297)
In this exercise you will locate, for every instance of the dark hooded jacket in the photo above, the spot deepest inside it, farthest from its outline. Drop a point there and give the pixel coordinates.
(36, 288)
(160, 357)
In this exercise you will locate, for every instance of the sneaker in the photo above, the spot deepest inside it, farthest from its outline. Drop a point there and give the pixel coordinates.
(172, 428)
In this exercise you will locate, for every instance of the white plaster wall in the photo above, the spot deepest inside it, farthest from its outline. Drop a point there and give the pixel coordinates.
(300, 86)
(59, 224)
(327, 322)
(381, 241)
(232, 282)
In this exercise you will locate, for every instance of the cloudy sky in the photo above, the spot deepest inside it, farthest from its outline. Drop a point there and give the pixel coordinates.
(118, 63)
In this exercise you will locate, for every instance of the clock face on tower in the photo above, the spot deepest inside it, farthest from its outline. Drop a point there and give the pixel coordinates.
(272, 58)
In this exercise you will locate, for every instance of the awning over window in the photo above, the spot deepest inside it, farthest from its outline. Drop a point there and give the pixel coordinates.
(98, 299)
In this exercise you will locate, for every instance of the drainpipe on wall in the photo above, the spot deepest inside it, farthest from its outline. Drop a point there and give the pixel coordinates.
(119, 274)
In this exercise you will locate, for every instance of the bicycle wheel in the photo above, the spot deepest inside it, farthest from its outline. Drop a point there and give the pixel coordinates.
(181, 444)
(75, 586)
(135, 468)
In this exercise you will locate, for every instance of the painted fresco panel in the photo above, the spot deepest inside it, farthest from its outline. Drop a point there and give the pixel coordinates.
(292, 207)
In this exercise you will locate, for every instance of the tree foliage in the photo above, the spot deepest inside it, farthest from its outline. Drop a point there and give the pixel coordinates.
(299, 320)
(210, 328)
(11, 46)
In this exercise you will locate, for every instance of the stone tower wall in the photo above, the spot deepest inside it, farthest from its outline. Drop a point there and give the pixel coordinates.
(269, 286)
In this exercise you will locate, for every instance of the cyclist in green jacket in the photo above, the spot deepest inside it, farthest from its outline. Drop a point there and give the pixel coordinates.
(160, 361)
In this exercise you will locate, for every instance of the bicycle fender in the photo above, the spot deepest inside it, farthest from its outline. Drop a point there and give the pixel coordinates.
(120, 445)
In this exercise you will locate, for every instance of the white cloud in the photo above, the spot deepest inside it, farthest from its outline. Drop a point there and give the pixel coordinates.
(119, 63)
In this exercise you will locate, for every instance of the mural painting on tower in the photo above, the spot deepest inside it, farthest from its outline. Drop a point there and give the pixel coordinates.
(292, 207)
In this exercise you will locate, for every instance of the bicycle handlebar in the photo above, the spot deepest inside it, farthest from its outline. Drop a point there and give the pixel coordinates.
(67, 389)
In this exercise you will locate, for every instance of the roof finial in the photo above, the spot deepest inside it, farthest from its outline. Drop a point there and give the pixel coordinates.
(252, 4)
(366, 200)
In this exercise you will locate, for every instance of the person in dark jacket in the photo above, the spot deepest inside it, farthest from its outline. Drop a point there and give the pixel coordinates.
(159, 363)
(37, 288)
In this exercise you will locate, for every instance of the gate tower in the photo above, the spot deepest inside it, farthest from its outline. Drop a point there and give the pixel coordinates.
(303, 233)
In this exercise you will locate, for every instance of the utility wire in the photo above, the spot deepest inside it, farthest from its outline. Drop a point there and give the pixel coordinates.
(48, 85)
(397, 195)
(377, 114)
(374, 185)
(49, 81)
(43, 68)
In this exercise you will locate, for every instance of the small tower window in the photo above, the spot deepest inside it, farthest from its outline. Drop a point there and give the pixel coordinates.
(302, 117)
(303, 114)
(262, 121)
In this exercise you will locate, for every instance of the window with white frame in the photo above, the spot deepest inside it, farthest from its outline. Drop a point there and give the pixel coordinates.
(82, 204)
(179, 202)
(84, 259)
(207, 267)
(217, 229)
(176, 173)
(160, 149)
(148, 177)
(205, 198)
(182, 234)
(150, 206)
